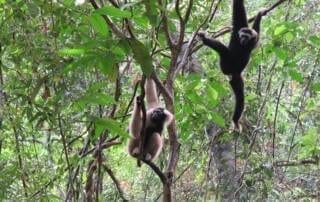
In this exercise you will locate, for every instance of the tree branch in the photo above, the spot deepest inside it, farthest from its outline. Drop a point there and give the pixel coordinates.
(302, 162)
(113, 26)
(165, 25)
(268, 10)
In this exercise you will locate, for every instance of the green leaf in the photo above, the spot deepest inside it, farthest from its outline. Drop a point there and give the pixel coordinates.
(141, 21)
(212, 95)
(96, 98)
(280, 30)
(72, 51)
(218, 87)
(296, 75)
(113, 12)
(151, 11)
(106, 64)
(314, 41)
(310, 139)
(249, 182)
(316, 87)
(192, 86)
(99, 24)
(111, 125)
(268, 171)
(218, 119)
(289, 36)
(141, 55)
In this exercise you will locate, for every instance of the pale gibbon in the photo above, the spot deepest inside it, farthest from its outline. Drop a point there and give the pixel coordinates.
(235, 57)
(156, 119)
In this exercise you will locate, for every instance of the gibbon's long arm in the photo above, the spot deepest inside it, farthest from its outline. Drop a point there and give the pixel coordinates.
(237, 86)
(136, 119)
(151, 94)
(256, 23)
(169, 118)
(239, 15)
(239, 20)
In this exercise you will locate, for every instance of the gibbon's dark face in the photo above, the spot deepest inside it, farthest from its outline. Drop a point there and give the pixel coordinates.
(158, 115)
(246, 35)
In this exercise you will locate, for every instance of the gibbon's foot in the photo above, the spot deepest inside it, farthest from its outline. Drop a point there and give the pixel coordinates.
(135, 151)
(236, 126)
(148, 157)
(201, 35)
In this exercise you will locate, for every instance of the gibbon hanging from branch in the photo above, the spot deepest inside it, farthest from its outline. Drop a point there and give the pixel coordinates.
(157, 118)
(235, 57)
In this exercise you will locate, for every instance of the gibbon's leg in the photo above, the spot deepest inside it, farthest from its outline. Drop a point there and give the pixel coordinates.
(133, 146)
(214, 44)
(136, 119)
(153, 146)
(237, 86)
(151, 94)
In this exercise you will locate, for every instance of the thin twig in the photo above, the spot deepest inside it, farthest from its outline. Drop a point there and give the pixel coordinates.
(268, 10)
(116, 182)
(275, 121)
(302, 101)
(303, 162)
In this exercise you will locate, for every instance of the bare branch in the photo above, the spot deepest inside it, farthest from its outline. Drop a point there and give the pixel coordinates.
(157, 170)
(269, 9)
(302, 162)
(116, 182)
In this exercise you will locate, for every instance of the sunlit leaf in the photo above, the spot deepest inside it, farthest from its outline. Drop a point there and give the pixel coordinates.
(113, 12)
(212, 96)
(99, 24)
(218, 120)
(296, 75)
(142, 21)
(111, 125)
(280, 30)
(96, 98)
(72, 51)
(314, 41)
(289, 36)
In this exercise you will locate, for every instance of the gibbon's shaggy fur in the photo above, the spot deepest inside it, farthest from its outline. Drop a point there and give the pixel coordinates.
(157, 118)
(235, 57)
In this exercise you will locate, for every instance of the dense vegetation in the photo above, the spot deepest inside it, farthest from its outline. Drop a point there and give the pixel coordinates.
(67, 76)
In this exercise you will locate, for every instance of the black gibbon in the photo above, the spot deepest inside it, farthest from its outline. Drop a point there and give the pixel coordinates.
(156, 119)
(235, 57)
